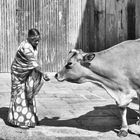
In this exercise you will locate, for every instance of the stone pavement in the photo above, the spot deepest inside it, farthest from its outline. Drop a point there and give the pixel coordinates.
(68, 111)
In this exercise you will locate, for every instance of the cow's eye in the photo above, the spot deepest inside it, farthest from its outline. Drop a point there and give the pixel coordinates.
(68, 66)
(88, 57)
(79, 60)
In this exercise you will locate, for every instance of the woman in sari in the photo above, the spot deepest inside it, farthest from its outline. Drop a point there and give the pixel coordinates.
(26, 81)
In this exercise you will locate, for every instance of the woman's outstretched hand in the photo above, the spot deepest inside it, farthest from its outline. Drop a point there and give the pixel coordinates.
(45, 77)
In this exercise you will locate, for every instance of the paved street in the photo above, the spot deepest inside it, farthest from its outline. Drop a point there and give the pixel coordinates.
(69, 111)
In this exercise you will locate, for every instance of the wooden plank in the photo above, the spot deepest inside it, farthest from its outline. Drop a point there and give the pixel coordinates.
(116, 22)
(8, 26)
(52, 25)
(92, 29)
(75, 23)
(131, 19)
(121, 16)
(47, 26)
(61, 34)
(99, 25)
(8, 34)
(83, 40)
(4, 36)
(137, 19)
(111, 23)
(1, 44)
(13, 44)
(91, 23)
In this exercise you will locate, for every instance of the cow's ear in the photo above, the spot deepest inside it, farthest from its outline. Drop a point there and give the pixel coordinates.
(88, 57)
(72, 53)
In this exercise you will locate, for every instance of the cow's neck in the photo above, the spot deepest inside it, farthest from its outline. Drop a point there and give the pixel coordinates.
(107, 84)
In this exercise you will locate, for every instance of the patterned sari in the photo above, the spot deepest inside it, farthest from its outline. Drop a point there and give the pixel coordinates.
(26, 82)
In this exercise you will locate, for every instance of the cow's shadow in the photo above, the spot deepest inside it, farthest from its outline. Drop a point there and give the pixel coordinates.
(100, 119)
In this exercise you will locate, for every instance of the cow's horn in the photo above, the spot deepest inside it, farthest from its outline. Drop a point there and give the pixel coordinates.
(74, 51)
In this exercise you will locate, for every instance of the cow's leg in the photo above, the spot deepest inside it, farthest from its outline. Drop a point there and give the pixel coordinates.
(124, 101)
(138, 94)
(124, 128)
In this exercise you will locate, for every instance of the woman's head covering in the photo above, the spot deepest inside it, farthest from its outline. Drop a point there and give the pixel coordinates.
(33, 33)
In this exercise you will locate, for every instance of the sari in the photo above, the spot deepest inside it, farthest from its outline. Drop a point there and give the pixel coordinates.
(26, 82)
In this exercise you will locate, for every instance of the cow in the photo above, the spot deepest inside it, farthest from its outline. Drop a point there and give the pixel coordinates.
(116, 69)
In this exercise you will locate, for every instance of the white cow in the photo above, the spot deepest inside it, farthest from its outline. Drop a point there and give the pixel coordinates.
(116, 69)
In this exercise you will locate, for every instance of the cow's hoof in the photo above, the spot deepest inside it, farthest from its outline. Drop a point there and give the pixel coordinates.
(138, 122)
(122, 133)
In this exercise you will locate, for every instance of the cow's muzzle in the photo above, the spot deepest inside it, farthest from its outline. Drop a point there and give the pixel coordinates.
(58, 77)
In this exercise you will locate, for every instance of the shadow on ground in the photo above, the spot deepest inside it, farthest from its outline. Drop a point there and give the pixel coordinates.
(4, 114)
(100, 119)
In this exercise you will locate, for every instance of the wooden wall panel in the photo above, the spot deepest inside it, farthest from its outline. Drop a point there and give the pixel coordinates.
(137, 11)
(116, 22)
(4, 35)
(8, 32)
(74, 22)
(90, 25)
(52, 25)
(131, 19)
(100, 25)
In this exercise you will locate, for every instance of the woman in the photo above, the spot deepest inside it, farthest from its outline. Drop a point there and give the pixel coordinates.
(26, 80)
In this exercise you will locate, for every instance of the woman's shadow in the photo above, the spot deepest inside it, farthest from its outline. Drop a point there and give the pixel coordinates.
(4, 114)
